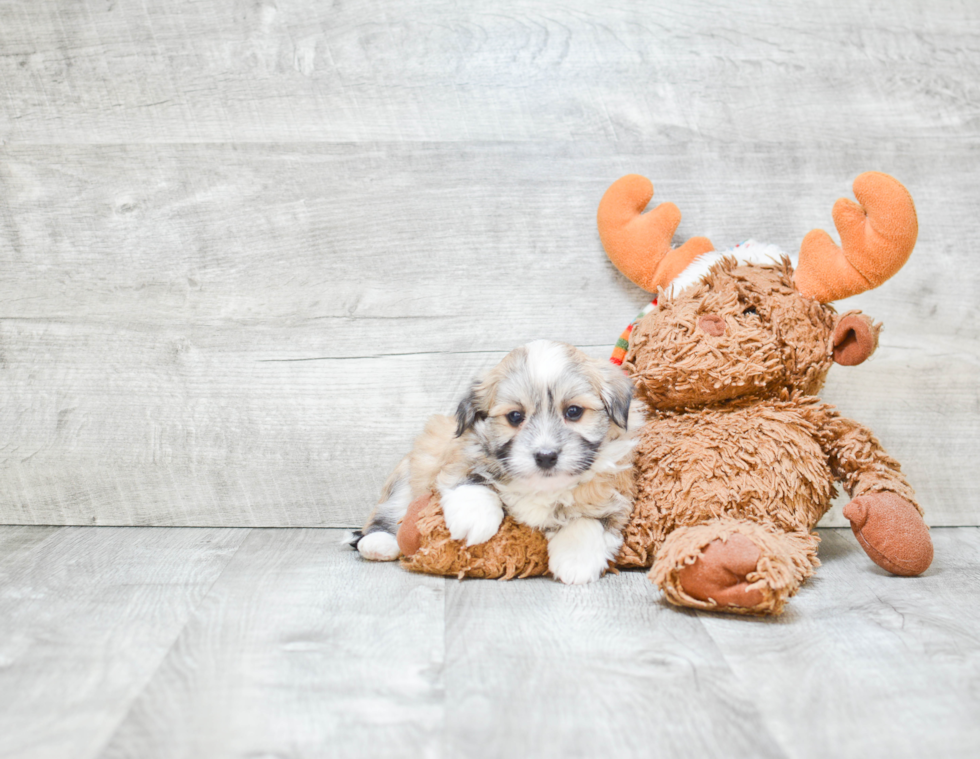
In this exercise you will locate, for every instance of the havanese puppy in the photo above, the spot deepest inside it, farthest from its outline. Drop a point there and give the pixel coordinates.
(547, 437)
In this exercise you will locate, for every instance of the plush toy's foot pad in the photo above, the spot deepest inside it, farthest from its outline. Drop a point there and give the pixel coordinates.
(734, 565)
(409, 537)
(720, 573)
(891, 531)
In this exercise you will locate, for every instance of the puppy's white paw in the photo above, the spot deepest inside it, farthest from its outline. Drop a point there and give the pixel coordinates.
(378, 546)
(473, 513)
(580, 552)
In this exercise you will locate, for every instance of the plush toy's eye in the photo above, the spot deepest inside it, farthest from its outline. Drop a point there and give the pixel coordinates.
(515, 418)
(574, 413)
(750, 310)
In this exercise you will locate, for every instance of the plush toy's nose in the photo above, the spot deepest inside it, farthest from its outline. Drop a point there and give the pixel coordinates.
(712, 324)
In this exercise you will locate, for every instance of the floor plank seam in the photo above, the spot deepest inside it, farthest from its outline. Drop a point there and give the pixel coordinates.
(764, 718)
(124, 714)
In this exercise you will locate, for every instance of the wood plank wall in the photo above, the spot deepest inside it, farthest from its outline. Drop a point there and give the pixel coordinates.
(247, 247)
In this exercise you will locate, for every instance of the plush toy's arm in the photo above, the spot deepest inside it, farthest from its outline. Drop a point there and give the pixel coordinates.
(883, 513)
(860, 463)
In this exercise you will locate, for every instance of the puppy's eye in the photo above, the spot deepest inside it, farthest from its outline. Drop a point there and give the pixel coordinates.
(574, 413)
(750, 310)
(515, 418)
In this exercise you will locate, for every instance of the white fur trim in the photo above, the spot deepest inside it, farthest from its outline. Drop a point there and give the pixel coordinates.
(748, 252)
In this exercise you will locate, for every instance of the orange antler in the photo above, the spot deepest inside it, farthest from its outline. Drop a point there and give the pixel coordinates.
(876, 236)
(639, 244)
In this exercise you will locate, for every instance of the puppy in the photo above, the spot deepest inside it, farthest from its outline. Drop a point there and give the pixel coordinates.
(546, 436)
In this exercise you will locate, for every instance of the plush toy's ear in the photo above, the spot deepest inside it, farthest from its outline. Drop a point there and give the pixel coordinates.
(854, 339)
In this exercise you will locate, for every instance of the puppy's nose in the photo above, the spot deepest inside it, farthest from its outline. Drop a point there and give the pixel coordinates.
(546, 459)
(712, 324)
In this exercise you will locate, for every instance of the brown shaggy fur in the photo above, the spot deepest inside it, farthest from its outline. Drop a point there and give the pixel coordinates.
(736, 441)
(515, 551)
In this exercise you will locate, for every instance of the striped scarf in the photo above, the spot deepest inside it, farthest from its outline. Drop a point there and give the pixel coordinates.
(623, 343)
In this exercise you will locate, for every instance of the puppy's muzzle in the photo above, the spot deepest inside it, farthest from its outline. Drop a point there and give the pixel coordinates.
(546, 459)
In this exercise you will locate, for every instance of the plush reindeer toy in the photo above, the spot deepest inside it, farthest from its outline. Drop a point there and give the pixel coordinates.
(738, 458)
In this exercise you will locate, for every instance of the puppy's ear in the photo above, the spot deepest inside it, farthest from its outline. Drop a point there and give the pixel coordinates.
(470, 410)
(616, 394)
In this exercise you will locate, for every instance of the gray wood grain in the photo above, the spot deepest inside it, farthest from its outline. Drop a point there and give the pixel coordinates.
(247, 249)
(150, 642)
(534, 668)
(86, 616)
(300, 649)
(17, 543)
(294, 70)
(180, 358)
(867, 664)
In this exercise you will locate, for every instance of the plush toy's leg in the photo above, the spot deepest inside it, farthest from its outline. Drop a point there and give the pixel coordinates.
(734, 565)
(892, 532)
(515, 551)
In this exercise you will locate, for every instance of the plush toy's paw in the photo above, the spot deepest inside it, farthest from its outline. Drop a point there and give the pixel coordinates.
(409, 537)
(891, 532)
(378, 546)
(720, 573)
(473, 513)
(734, 565)
(581, 551)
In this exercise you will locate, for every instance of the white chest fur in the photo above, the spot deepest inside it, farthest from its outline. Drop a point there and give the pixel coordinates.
(541, 510)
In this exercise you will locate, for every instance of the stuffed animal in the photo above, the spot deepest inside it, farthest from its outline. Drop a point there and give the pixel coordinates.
(738, 458)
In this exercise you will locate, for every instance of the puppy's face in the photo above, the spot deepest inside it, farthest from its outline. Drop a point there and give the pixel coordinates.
(543, 414)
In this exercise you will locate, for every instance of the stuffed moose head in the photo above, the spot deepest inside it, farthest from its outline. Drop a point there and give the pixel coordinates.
(738, 457)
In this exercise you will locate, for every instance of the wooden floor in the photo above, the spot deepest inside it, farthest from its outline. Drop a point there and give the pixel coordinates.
(197, 642)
